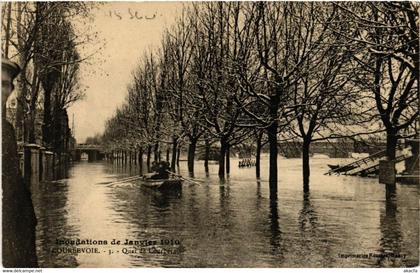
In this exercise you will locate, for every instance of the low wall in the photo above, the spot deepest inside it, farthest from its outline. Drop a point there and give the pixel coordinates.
(38, 165)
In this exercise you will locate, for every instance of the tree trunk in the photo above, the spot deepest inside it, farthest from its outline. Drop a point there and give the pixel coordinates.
(7, 39)
(21, 96)
(130, 156)
(156, 151)
(227, 159)
(191, 154)
(258, 156)
(167, 154)
(391, 147)
(177, 157)
(149, 153)
(305, 164)
(174, 153)
(206, 155)
(133, 158)
(32, 107)
(47, 119)
(140, 160)
(391, 144)
(272, 140)
(222, 155)
(56, 125)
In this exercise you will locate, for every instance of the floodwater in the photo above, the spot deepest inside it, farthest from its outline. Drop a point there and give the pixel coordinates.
(342, 222)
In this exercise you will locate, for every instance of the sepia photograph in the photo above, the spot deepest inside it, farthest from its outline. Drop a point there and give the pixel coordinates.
(214, 134)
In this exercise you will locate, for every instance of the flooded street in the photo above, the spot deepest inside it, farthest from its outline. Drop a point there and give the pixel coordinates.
(343, 222)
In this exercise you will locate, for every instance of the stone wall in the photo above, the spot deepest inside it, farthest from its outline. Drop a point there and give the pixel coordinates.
(38, 165)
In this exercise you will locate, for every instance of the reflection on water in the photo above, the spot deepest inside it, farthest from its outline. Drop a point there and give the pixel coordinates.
(275, 240)
(390, 241)
(233, 223)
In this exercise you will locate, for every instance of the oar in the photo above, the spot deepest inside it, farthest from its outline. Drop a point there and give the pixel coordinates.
(186, 179)
(122, 182)
(132, 178)
(123, 179)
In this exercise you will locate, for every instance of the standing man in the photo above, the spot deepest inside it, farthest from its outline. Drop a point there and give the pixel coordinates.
(18, 216)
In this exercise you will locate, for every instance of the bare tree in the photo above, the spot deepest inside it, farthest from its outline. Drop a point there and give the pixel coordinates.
(273, 65)
(388, 50)
(176, 57)
(325, 101)
(39, 52)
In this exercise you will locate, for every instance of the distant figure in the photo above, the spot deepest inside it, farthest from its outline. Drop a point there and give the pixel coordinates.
(18, 216)
(161, 170)
(246, 162)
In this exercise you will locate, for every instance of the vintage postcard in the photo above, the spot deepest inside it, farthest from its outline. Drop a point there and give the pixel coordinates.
(210, 135)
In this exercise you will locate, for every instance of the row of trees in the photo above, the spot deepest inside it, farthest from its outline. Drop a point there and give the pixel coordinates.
(41, 38)
(232, 72)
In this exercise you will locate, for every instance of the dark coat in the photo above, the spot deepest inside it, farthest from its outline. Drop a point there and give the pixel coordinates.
(18, 216)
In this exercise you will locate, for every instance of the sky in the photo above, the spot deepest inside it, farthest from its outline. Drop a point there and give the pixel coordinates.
(118, 48)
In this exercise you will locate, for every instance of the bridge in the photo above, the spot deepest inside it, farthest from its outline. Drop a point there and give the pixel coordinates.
(90, 152)
(338, 149)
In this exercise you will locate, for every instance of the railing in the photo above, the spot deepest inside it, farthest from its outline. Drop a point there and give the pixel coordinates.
(369, 164)
(401, 155)
(358, 163)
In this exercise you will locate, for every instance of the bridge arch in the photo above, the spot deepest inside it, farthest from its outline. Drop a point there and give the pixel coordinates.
(93, 152)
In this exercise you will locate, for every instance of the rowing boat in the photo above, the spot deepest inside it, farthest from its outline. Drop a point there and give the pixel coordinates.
(173, 183)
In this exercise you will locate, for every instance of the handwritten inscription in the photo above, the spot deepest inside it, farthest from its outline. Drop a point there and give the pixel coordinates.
(131, 14)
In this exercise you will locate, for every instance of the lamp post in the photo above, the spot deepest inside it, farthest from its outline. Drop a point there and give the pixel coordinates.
(9, 72)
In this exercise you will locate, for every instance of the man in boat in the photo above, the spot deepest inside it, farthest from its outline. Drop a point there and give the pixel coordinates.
(160, 170)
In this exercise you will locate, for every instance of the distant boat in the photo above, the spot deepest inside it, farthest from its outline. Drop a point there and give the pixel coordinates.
(339, 168)
(332, 167)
